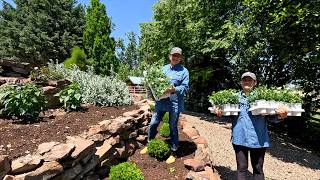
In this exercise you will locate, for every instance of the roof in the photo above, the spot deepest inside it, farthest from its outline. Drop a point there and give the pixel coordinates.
(136, 80)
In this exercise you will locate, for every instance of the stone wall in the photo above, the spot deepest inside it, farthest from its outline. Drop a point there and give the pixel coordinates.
(84, 156)
(14, 68)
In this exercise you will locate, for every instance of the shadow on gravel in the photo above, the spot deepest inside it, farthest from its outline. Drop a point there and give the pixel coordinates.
(288, 152)
(280, 148)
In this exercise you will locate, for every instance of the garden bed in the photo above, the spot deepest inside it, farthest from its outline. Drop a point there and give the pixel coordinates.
(19, 137)
(153, 169)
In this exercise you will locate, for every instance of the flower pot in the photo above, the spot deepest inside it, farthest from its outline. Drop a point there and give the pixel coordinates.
(211, 109)
(226, 113)
(298, 113)
(226, 107)
(261, 111)
(234, 113)
(261, 103)
(271, 111)
(235, 107)
(255, 112)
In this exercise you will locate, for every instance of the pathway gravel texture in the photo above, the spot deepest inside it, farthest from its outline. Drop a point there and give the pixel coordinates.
(282, 161)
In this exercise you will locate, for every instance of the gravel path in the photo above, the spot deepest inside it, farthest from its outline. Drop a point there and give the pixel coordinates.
(282, 161)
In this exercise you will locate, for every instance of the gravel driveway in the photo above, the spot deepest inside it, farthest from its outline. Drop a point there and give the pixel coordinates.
(282, 161)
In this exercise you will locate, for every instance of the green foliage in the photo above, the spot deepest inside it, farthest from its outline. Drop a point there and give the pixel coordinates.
(152, 106)
(165, 118)
(38, 30)
(25, 101)
(273, 38)
(70, 97)
(99, 47)
(275, 94)
(125, 171)
(44, 74)
(158, 149)
(78, 58)
(229, 96)
(129, 54)
(95, 89)
(165, 130)
(156, 79)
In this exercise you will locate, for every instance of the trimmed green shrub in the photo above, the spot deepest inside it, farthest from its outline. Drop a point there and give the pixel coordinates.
(70, 97)
(152, 107)
(165, 118)
(22, 100)
(125, 171)
(95, 89)
(165, 130)
(78, 58)
(159, 149)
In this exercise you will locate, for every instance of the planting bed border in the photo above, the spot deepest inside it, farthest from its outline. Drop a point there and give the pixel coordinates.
(93, 152)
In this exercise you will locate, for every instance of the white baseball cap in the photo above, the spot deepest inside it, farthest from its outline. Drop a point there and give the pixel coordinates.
(249, 74)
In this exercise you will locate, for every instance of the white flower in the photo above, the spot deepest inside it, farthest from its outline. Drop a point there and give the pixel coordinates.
(36, 68)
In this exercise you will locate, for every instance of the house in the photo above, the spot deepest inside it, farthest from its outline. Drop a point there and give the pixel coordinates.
(135, 85)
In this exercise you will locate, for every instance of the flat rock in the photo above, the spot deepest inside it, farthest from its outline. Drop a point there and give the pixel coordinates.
(25, 164)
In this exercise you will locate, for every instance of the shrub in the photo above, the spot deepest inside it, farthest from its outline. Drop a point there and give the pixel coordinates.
(22, 100)
(125, 171)
(152, 107)
(78, 58)
(165, 118)
(158, 149)
(95, 89)
(165, 130)
(44, 74)
(70, 97)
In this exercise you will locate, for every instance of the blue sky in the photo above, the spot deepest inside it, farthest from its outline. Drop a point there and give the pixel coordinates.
(125, 14)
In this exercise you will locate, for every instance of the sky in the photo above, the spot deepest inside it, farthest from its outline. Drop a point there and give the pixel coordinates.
(125, 14)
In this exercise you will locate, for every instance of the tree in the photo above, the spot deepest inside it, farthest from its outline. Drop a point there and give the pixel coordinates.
(38, 30)
(99, 46)
(132, 52)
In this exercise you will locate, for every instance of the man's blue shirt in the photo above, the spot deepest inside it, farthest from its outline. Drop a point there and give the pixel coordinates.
(179, 76)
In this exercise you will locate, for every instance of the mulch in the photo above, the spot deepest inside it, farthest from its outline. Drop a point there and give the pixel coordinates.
(153, 169)
(20, 137)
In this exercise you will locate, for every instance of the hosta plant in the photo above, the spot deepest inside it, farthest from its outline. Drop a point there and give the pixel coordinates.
(156, 80)
(25, 101)
(70, 97)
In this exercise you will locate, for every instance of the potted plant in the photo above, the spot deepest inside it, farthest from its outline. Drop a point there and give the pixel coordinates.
(157, 82)
(227, 100)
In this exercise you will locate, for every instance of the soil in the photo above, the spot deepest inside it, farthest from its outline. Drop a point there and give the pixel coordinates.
(20, 137)
(153, 169)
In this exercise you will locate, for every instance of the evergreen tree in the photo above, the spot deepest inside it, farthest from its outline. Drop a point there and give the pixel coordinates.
(38, 30)
(99, 46)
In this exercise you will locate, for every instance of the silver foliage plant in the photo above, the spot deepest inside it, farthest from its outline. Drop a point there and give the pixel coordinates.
(95, 89)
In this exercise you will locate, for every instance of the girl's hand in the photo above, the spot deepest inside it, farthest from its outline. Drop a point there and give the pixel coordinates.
(218, 111)
(282, 112)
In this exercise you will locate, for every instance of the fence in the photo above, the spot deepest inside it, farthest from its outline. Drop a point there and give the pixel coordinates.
(137, 89)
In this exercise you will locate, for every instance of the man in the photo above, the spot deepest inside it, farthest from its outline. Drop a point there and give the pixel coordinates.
(174, 104)
(250, 133)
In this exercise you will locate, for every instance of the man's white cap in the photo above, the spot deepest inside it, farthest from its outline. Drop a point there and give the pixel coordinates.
(249, 74)
(176, 50)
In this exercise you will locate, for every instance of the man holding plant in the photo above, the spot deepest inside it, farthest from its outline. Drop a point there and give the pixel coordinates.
(174, 104)
(250, 133)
